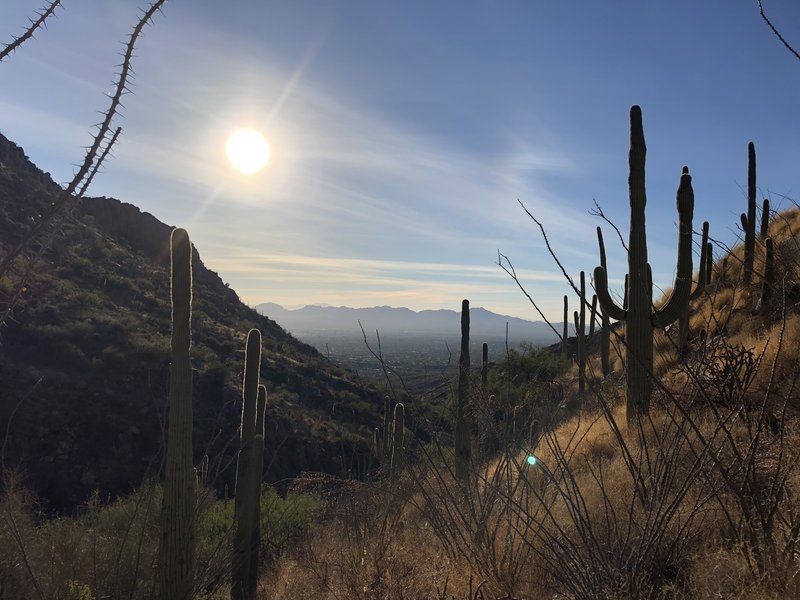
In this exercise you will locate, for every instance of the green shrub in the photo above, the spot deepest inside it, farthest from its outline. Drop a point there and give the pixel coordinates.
(283, 520)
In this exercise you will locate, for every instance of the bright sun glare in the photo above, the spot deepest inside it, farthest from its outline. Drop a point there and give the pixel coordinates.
(247, 150)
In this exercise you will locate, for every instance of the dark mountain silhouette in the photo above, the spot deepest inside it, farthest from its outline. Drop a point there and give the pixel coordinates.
(84, 360)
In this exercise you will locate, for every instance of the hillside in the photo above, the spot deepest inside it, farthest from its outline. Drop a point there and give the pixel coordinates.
(84, 361)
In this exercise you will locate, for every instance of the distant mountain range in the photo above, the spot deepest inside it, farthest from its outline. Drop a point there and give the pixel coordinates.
(317, 321)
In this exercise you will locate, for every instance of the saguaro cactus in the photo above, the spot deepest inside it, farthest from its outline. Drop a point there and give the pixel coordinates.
(177, 547)
(703, 277)
(463, 426)
(749, 219)
(764, 232)
(398, 436)
(639, 316)
(768, 283)
(244, 573)
(580, 335)
(389, 443)
(485, 369)
(605, 322)
(564, 335)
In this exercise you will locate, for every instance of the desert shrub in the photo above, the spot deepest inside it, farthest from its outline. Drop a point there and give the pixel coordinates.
(284, 520)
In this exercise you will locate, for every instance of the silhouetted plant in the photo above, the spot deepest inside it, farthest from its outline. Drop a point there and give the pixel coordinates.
(463, 425)
(703, 278)
(749, 219)
(639, 316)
(248, 475)
(177, 548)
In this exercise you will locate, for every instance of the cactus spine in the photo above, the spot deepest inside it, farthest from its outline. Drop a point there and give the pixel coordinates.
(463, 428)
(605, 322)
(749, 219)
(702, 280)
(177, 547)
(246, 535)
(639, 317)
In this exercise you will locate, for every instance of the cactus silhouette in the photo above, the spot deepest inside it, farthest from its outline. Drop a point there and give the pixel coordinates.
(485, 369)
(639, 316)
(768, 282)
(177, 546)
(388, 444)
(703, 277)
(580, 336)
(256, 471)
(244, 572)
(564, 346)
(387, 426)
(592, 317)
(463, 427)
(605, 322)
(764, 220)
(749, 219)
(398, 435)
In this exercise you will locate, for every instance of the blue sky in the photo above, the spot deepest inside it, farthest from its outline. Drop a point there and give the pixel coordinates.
(403, 133)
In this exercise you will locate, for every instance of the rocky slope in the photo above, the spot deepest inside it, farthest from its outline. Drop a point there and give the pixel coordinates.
(84, 361)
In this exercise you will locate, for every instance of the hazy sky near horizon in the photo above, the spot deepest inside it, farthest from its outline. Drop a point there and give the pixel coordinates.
(403, 133)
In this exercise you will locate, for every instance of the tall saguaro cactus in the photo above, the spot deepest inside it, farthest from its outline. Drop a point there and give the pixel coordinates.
(463, 427)
(564, 335)
(703, 277)
(177, 547)
(639, 317)
(605, 322)
(244, 575)
(485, 369)
(768, 281)
(764, 231)
(389, 444)
(749, 219)
(398, 437)
(580, 335)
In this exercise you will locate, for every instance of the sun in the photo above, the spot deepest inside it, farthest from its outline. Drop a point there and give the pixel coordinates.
(247, 151)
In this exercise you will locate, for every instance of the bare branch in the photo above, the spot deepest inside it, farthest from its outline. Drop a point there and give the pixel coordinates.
(598, 212)
(775, 31)
(550, 249)
(513, 274)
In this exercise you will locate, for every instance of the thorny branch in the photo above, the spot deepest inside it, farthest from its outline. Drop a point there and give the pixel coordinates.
(99, 149)
(775, 30)
(28, 33)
